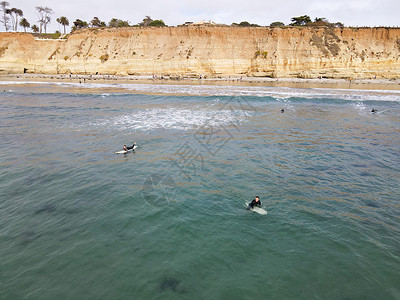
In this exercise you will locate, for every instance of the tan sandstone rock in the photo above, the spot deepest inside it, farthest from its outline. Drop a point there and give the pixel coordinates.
(212, 51)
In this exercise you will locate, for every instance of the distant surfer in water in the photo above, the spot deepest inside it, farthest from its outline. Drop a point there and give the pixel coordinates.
(255, 202)
(129, 148)
(374, 110)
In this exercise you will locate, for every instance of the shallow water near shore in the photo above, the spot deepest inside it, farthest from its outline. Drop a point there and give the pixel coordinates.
(78, 221)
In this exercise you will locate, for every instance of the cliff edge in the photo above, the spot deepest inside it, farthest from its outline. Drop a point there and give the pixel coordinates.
(212, 51)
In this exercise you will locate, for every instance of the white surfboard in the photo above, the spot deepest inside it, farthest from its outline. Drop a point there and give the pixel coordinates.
(259, 210)
(124, 151)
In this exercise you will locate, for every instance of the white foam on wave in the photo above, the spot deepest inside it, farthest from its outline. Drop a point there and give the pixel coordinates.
(169, 118)
(223, 90)
(359, 106)
(356, 95)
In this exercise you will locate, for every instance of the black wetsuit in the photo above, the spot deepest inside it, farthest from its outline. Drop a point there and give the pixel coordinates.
(254, 203)
(129, 148)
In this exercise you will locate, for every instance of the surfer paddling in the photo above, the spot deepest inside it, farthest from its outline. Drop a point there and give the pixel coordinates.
(129, 148)
(255, 202)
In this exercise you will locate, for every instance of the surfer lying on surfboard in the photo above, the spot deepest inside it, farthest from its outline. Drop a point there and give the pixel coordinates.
(129, 148)
(255, 202)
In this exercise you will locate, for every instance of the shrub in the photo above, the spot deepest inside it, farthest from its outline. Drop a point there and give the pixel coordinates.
(261, 54)
(245, 24)
(54, 53)
(157, 23)
(277, 24)
(2, 50)
(104, 58)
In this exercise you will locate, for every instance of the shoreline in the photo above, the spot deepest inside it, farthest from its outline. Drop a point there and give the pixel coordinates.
(364, 84)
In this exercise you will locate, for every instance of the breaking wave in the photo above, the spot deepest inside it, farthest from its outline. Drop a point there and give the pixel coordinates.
(179, 119)
(226, 90)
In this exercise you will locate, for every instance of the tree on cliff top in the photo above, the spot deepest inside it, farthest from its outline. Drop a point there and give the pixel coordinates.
(78, 23)
(14, 13)
(4, 8)
(300, 21)
(277, 24)
(338, 24)
(44, 14)
(245, 24)
(97, 23)
(24, 23)
(157, 23)
(63, 21)
(320, 22)
(323, 22)
(118, 23)
(146, 21)
(35, 29)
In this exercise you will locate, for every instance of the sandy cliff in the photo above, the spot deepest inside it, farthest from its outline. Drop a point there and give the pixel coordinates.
(212, 51)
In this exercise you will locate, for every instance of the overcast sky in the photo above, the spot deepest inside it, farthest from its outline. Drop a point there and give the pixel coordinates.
(174, 12)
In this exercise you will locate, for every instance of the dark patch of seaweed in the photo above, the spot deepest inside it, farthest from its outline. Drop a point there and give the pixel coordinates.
(45, 208)
(29, 236)
(171, 284)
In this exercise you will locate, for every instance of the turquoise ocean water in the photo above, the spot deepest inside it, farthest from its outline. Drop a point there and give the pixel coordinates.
(78, 221)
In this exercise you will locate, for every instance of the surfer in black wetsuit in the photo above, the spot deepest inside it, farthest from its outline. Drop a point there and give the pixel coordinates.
(374, 110)
(129, 148)
(255, 202)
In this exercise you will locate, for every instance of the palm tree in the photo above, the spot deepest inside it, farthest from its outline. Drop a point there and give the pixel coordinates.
(14, 13)
(63, 21)
(17, 13)
(35, 29)
(24, 23)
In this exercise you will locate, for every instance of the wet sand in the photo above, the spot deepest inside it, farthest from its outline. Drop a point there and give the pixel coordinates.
(368, 84)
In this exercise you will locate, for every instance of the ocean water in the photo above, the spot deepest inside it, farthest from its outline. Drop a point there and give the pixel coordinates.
(169, 221)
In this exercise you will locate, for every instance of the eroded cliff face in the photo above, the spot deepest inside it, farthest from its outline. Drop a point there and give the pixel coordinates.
(212, 51)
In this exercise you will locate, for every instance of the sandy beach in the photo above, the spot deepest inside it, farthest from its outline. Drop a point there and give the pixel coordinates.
(368, 84)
